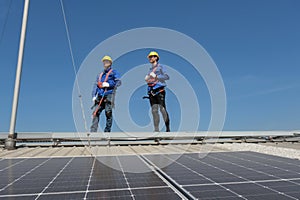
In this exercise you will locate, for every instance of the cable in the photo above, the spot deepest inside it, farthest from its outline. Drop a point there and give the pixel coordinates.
(5, 21)
(74, 66)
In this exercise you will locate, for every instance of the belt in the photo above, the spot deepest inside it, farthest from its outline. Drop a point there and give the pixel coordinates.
(154, 92)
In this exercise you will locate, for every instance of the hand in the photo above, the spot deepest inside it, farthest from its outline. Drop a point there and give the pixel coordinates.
(147, 77)
(105, 84)
(153, 74)
(94, 98)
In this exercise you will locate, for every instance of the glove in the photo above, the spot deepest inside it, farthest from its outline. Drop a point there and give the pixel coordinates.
(153, 74)
(147, 77)
(94, 98)
(105, 84)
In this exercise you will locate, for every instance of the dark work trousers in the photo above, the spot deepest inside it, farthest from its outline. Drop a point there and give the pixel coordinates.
(107, 106)
(158, 102)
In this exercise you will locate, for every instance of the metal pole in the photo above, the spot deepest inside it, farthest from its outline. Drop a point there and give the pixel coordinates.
(10, 142)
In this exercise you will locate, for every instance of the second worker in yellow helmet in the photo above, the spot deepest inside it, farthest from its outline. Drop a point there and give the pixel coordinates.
(156, 81)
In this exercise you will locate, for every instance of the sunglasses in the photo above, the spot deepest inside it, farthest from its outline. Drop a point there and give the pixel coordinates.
(151, 56)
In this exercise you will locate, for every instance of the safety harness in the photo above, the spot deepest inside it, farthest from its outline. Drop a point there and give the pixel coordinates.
(151, 83)
(156, 91)
(100, 86)
(105, 80)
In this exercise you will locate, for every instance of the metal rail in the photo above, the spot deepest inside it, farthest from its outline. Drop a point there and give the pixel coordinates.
(140, 138)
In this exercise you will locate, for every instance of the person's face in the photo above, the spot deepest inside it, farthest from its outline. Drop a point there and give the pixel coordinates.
(152, 59)
(106, 64)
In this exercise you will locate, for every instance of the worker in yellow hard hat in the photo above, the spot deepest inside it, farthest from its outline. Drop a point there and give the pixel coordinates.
(107, 58)
(103, 93)
(156, 81)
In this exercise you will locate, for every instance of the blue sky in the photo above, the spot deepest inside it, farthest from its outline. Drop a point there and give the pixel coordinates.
(254, 43)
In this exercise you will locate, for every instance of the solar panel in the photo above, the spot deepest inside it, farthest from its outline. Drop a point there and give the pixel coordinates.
(231, 175)
(219, 175)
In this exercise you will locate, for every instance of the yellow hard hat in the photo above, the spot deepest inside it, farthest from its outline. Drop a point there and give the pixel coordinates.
(153, 53)
(107, 58)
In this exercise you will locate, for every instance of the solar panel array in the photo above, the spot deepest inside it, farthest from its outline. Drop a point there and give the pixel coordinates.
(221, 175)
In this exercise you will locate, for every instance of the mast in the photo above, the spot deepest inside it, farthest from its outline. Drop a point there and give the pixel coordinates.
(10, 142)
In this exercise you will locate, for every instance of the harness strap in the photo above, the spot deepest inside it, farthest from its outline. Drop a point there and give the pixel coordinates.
(100, 83)
(106, 78)
(153, 83)
(156, 91)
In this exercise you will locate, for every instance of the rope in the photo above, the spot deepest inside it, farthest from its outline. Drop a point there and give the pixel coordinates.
(74, 66)
(5, 21)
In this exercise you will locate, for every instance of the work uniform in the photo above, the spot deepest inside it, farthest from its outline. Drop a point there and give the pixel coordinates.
(157, 94)
(112, 77)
